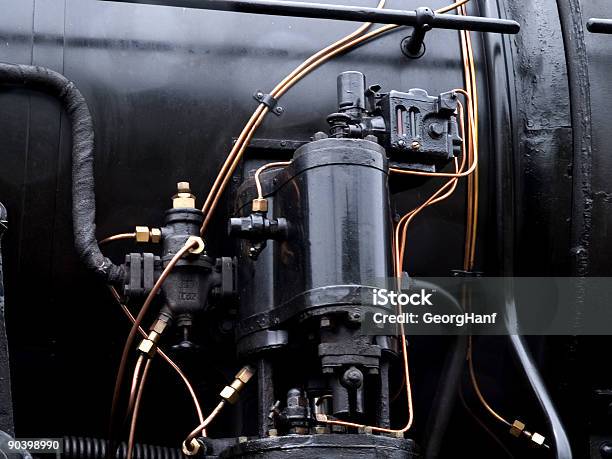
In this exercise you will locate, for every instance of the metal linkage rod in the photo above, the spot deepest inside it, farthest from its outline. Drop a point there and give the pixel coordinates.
(596, 25)
(341, 12)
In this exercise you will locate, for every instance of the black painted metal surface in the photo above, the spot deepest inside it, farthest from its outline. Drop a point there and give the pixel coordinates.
(169, 88)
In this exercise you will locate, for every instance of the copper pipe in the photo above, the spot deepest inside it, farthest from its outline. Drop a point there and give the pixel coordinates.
(130, 446)
(263, 168)
(301, 71)
(118, 237)
(133, 331)
(134, 386)
(195, 432)
(164, 357)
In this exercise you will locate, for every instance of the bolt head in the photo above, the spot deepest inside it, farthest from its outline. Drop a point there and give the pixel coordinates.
(415, 145)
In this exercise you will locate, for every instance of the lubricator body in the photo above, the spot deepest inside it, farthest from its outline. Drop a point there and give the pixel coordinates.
(335, 200)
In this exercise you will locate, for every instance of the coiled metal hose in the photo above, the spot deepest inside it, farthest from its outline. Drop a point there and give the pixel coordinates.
(95, 448)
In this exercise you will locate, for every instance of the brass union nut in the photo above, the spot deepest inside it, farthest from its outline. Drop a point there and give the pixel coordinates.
(192, 449)
(147, 347)
(229, 394)
(155, 235)
(260, 205)
(142, 234)
(245, 374)
(537, 439)
(517, 428)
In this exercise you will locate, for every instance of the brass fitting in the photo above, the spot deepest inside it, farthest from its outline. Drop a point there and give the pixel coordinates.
(537, 438)
(230, 393)
(517, 428)
(158, 328)
(192, 449)
(142, 234)
(183, 198)
(147, 347)
(155, 235)
(260, 205)
(200, 246)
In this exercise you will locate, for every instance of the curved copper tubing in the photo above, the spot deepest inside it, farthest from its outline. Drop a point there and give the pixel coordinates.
(237, 150)
(134, 386)
(134, 330)
(164, 357)
(203, 425)
(263, 168)
(236, 153)
(118, 237)
(314, 61)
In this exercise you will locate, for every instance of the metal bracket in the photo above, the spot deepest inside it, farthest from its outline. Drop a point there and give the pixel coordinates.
(413, 46)
(269, 101)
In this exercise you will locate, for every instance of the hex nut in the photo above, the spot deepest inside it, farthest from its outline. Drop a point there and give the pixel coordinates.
(537, 438)
(229, 394)
(260, 205)
(142, 234)
(147, 347)
(245, 374)
(183, 187)
(517, 428)
(156, 235)
(183, 201)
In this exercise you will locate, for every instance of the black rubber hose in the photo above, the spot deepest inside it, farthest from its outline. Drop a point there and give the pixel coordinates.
(83, 193)
(95, 448)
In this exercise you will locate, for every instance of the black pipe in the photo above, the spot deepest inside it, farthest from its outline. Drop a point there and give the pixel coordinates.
(83, 193)
(340, 12)
(596, 25)
(6, 399)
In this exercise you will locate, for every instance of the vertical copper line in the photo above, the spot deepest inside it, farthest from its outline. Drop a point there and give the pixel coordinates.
(470, 76)
(134, 386)
(143, 380)
(475, 146)
(240, 150)
(470, 181)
